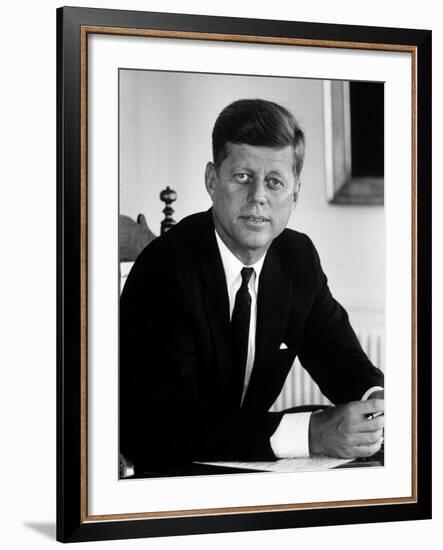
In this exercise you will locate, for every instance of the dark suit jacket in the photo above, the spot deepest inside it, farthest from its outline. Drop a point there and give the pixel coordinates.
(174, 347)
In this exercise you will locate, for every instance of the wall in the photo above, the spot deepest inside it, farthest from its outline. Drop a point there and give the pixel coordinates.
(166, 124)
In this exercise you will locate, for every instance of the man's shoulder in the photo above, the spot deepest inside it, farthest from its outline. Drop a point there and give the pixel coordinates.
(290, 240)
(295, 251)
(190, 226)
(183, 240)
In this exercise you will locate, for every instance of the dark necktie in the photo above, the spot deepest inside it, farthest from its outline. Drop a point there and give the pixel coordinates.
(241, 316)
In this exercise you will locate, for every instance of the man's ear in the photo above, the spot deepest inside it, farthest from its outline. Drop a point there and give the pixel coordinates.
(210, 178)
(296, 191)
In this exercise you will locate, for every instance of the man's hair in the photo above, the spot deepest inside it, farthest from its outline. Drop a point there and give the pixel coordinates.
(260, 123)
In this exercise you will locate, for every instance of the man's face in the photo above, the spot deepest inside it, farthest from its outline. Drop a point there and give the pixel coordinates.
(253, 193)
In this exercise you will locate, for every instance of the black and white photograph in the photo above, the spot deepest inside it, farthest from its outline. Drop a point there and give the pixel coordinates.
(252, 274)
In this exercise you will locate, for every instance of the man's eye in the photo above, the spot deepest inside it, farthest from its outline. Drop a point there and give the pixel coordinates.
(241, 177)
(275, 183)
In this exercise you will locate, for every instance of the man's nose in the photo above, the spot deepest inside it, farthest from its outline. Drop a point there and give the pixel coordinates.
(258, 191)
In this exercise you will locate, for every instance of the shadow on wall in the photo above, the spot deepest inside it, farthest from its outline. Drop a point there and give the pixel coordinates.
(46, 529)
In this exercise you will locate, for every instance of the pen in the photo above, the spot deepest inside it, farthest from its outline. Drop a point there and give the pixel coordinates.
(375, 415)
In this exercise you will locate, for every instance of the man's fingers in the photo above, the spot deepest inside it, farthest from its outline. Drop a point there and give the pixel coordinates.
(370, 425)
(372, 406)
(367, 438)
(364, 416)
(368, 450)
(360, 409)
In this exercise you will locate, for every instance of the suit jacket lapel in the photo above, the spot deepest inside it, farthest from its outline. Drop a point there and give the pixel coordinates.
(216, 301)
(273, 306)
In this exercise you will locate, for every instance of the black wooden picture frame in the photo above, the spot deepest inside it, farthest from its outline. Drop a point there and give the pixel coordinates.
(73, 25)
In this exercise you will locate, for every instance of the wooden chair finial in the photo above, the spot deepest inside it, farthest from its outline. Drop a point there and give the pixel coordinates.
(168, 196)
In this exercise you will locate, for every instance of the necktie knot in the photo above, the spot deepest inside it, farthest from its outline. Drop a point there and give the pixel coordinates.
(246, 274)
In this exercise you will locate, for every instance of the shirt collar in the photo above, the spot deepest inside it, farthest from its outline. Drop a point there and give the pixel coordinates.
(233, 266)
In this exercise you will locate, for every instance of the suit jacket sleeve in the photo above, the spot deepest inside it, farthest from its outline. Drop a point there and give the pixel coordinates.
(330, 350)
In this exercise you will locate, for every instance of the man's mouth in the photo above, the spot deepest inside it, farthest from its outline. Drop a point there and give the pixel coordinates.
(255, 219)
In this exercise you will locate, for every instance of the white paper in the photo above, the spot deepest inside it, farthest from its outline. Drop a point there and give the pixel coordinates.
(287, 464)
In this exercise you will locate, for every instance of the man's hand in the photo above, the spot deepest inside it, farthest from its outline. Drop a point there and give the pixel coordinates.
(347, 431)
(379, 394)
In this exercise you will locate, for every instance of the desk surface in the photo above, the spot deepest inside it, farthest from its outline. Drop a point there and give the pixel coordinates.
(196, 469)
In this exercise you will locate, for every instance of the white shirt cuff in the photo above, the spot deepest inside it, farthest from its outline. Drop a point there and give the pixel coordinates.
(371, 391)
(291, 438)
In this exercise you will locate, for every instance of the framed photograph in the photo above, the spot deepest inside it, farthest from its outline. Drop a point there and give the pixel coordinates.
(244, 271)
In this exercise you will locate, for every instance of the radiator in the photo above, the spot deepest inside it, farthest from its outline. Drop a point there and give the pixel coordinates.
(300, 389)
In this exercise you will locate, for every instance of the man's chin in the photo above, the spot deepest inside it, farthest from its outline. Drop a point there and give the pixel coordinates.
(255, 244)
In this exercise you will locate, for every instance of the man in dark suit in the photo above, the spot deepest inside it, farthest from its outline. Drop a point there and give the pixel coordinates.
(215, 311)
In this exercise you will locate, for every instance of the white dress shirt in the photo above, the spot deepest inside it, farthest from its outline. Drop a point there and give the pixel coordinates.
(232, 267)
(291, 438)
